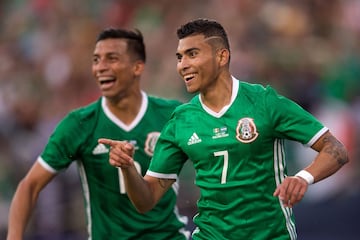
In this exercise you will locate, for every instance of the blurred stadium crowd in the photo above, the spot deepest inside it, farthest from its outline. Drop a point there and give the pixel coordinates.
(308, 50)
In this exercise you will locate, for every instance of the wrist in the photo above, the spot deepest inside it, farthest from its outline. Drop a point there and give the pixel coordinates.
(306, 176)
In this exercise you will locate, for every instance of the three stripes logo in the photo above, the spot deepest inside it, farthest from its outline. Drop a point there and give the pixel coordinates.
(100, 149)
(194, 139)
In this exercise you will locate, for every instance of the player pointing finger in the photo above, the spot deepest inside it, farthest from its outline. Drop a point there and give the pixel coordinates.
(121, 153)
(123, 112)
(238, 150)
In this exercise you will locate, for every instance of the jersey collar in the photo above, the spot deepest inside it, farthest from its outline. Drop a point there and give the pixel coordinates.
(118, 122)
(234, 92)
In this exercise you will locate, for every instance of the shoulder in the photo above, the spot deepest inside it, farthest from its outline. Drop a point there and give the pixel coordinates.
(87, 110)
(257, 92)
(252, 88)
(84, 114)
(76, 126)
(188, 109)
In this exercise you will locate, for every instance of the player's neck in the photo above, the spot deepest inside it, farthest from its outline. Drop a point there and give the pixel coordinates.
(126, 109)
(218, 96)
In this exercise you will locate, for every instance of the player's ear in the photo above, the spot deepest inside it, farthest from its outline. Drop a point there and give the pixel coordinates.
(223, 56)
(138, 68)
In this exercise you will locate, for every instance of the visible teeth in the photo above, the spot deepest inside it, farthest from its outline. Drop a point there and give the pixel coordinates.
(106, 79)
(189, 76)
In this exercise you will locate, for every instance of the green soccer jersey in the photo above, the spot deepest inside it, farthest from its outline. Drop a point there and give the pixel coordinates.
(238, 156)
(110, 214)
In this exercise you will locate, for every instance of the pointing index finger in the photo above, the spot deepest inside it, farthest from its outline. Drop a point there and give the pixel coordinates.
(107, 141)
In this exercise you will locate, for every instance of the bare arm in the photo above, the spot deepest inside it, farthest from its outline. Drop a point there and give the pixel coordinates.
(144, 192)
(331, 157)
(25, 199)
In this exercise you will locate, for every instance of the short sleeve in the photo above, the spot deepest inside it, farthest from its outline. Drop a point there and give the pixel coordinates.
(64, 143)
(168, 158)
(290, 121)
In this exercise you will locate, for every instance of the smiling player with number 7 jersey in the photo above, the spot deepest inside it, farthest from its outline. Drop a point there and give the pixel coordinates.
(233, 132)
(238, 155)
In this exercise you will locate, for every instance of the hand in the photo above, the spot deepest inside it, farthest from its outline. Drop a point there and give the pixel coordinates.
(291, 191)
(121, 153)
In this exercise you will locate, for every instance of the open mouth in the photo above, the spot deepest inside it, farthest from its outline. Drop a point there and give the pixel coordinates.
(106, 81)
(188, 77)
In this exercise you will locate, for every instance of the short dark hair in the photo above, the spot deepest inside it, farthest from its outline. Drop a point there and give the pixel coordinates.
(206, 27)
(135, 40)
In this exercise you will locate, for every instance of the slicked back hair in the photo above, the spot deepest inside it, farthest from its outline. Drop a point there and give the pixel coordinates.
(208, 28)
(134, 39)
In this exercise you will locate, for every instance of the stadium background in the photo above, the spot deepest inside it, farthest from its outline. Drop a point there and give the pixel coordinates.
(309, 50)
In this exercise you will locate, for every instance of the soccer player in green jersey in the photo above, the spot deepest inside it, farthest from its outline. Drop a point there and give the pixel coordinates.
(126, 113)
(233, 132)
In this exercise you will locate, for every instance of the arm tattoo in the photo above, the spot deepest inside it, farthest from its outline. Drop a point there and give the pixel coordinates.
(336, 149)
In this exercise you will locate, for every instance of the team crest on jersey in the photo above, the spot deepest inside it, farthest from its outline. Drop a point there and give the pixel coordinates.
(246, 130)
(150, 142)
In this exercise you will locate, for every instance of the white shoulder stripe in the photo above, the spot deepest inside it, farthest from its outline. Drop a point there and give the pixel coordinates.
(46, 165)
(162, 175)
(317, 136)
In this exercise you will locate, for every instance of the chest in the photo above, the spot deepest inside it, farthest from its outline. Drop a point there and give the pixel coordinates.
(143, 137)
(241, 134)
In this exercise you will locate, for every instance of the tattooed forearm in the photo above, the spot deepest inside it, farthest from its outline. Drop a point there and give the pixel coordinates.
(336, 149)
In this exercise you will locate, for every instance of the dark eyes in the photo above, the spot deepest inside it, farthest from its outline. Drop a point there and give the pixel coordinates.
(110, 58)
(95, 60)
(190, 54)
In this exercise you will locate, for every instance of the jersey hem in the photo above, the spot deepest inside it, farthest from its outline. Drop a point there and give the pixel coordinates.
(317, 136)
(162, 175)
(46, 165)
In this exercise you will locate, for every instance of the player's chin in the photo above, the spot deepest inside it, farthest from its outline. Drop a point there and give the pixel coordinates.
(110, 95)
(191, 89)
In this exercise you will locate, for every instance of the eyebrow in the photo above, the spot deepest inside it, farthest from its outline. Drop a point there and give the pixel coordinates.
(187, 51)
(108, 54)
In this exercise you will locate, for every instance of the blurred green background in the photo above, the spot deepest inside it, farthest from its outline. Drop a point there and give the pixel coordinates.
(308, 50)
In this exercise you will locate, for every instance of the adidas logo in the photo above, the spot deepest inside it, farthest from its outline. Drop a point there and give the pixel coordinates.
(194, 139)
(100, 149)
